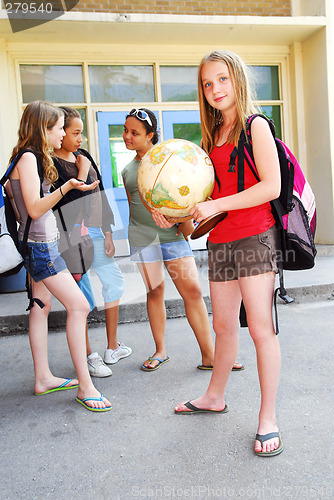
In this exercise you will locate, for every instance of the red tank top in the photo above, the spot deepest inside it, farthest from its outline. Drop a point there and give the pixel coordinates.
(238, 223)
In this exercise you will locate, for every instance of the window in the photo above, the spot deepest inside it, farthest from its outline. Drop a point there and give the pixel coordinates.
(132, 85)
(188, 131)
(121, 83)
(60, 84)
(82, 112)
(266, 82)
(268, 93)
(178, 83)
(120, 156)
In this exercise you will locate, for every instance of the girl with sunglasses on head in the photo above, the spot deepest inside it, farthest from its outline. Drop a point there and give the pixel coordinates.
(94, 210)
(41, 131)
(150, 246)
(242, 247)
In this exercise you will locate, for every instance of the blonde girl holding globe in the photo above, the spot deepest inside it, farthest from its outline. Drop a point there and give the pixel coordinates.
(247, 238)
(152, 246)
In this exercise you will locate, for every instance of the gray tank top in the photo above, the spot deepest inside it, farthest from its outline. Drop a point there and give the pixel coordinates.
(42, 229)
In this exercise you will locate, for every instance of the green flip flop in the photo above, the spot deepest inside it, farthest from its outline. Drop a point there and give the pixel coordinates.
(90, 408)
(161, 362)
(62, 387)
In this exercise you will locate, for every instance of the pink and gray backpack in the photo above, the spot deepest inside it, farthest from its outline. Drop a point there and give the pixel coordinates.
(294, 210)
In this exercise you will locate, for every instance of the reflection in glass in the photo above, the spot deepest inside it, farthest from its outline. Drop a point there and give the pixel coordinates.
(178, 83)
(84, 134)
(120, 156)
(266, 82)
(274, 112)
(188, 131)
(121, 83)
(59, 84)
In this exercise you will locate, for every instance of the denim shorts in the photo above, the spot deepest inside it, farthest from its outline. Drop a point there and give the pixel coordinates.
(107, 270)
(249, 256)
(45, 260)
(162, 252)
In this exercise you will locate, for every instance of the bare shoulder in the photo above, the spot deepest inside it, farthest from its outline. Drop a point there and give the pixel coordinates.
(260, 124)
(261, 130)
(27, 161)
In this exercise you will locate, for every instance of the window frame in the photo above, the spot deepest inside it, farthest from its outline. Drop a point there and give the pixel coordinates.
(280, 60)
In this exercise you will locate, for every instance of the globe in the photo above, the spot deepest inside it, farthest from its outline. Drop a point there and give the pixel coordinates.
(173, 176)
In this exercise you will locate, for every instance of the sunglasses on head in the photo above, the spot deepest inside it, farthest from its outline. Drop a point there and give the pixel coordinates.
(141, 115)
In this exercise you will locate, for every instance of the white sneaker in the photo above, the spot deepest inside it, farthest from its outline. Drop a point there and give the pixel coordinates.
(96, 366)
(111, 356)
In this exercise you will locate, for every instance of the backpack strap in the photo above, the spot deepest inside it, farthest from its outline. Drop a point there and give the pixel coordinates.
(233, 156)
(245, 152)
(241, 162)
(15, 160)
(24, 247)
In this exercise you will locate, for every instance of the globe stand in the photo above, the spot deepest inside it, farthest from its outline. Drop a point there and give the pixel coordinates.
(207, 224)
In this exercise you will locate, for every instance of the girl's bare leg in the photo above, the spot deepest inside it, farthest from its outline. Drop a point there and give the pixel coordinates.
(153, 276)
(226, 300)
(184, 274)
(111, 310)
(257, 293)
(38, 337)
(64, 288)
(185, 277)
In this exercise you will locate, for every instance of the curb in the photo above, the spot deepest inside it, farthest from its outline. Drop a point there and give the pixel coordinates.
(133, 313)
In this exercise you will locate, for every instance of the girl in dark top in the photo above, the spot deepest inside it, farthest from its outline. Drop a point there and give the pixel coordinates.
(95, 211)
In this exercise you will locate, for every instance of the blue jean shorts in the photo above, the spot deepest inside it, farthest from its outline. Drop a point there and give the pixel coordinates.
(162, 252)
(107, 270)
(44, 261)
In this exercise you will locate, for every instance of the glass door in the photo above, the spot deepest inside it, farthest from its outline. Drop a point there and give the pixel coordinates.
(114, 156)
(184, 125)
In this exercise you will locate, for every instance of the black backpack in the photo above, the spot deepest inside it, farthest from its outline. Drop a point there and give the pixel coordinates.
(9, 229)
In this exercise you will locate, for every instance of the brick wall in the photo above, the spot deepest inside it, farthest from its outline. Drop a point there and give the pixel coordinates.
(191, 7)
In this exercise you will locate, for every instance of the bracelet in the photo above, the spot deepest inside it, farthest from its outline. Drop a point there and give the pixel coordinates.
(61, 191)
(80, 180)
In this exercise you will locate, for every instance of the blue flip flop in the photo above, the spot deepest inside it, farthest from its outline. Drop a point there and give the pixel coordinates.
(62, 387)
(90, 408)
(150, 359)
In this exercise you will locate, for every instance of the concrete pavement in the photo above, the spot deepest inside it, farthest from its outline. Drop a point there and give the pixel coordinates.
(52, 448)
(312, 284)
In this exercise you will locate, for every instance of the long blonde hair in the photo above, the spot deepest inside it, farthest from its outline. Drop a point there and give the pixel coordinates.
(211, 118)
(37, 118)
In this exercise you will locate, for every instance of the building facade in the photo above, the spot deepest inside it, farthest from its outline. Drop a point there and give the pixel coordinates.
(107, 57)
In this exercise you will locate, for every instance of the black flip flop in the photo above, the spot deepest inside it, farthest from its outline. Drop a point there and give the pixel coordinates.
(265, 437)
(194, 409)
(234, 369)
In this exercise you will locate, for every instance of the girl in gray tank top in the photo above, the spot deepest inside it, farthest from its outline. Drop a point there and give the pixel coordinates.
(41, 130)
